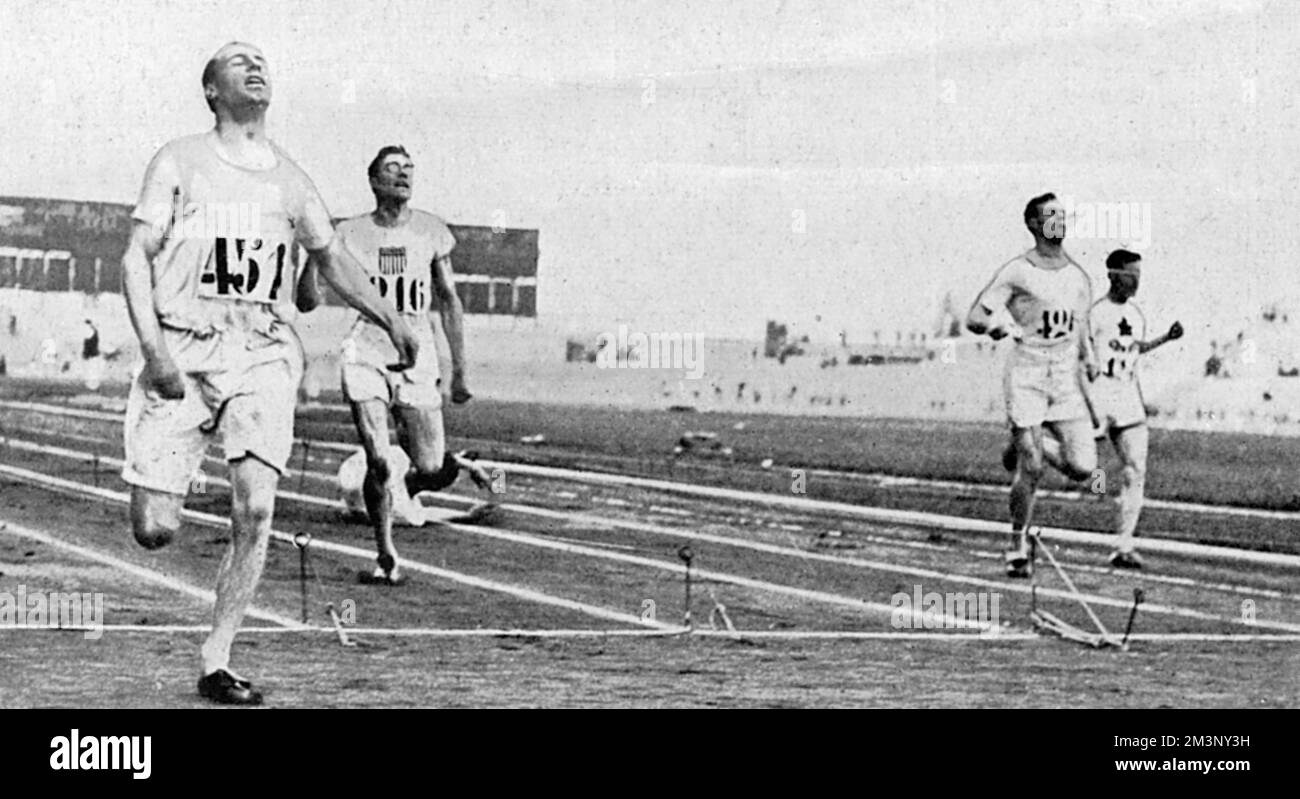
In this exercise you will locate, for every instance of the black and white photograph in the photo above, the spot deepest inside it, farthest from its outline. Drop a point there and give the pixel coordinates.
(775, 354)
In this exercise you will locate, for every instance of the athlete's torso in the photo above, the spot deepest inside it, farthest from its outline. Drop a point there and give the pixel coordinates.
(399, 262)
(227, 261)
(1049, 303)
(1116, 330)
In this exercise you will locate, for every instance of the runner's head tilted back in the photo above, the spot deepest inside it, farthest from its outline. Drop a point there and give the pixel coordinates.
(237, 82)
(392, 175)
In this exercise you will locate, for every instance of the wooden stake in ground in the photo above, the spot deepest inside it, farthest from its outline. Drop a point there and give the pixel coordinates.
(1105, 634)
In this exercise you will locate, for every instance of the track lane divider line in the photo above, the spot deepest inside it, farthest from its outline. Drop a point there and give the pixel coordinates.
(137, 571)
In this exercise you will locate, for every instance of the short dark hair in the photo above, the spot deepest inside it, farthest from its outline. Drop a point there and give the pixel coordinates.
(1120, 259)
(1031, 209)
(209, 76)
(384, 152)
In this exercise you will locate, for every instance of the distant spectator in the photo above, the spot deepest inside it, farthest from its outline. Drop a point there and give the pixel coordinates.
(1214, 364)
(90, 344)
(92, 357)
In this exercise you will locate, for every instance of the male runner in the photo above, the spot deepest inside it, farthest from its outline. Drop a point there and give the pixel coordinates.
(407, 254)
(1118, 332)
(209, 279)
(1041, 299)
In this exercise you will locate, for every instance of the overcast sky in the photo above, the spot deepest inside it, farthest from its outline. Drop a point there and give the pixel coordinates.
(702, 167)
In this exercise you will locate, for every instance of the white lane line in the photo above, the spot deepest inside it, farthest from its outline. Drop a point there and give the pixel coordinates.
(516, 591)
(771, 635)
(671, 511)
(796, 635)
(872, 565)
(140, 572)
(880, 480)
(61, 410)
(332, 632)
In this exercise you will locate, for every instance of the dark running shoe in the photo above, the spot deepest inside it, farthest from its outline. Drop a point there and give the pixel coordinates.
(385, 573)
(380, 577)
(1020, 562)
(1125, 560)
(225, 688)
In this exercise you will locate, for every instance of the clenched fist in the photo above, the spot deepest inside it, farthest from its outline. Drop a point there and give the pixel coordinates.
(163, 378)
(408, 348)
(459, 392)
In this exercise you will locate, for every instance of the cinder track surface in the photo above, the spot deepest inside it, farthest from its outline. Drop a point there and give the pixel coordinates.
(590, 579)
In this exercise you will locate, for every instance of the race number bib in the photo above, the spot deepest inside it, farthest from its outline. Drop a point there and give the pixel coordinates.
(1120, 360)
(244, 270)
(408, 293)
(1057, 324)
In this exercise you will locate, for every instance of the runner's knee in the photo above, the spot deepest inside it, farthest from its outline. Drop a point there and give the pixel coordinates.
(252, 514)
(378, 471)
(426, 465)
(436, 479)
(152, 533)
(1030, 464)
(154, 518)
(1132, 474)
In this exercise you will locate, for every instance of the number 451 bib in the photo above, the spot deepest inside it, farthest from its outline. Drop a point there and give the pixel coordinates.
(245, 270)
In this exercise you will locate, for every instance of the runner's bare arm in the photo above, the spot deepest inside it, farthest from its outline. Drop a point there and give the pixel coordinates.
(1175, 333)
(998, 324)
(977, 321)
(342, 272)
(452, 313)
(1087, 348)
(309, 296)
(989, 314)
(137, 287)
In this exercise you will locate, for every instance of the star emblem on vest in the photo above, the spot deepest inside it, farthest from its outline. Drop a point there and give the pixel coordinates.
(1125, 329)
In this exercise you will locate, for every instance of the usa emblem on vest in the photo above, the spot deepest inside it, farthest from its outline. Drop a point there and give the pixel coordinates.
(392, 260)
